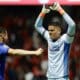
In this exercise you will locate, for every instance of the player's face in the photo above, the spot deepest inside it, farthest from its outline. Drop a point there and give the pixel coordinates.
(54, 32)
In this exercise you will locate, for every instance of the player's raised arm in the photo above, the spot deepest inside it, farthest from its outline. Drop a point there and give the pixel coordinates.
(38, 24)
(25, 52)
(67, 18)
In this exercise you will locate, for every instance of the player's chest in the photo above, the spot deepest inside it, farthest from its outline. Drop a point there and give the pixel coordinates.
(55, 46)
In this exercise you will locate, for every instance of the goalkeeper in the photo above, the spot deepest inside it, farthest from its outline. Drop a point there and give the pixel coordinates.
(58, 45)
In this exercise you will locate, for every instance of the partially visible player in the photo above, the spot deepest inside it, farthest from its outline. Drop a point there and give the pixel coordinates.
(58, 45)
(4, 50)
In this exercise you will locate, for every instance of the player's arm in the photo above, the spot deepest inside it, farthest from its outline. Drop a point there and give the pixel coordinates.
(24, 52)
(39, 21)
(70, 22)
(67, 18)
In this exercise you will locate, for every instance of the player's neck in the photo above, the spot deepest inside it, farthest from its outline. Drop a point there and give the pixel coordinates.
(54, 40)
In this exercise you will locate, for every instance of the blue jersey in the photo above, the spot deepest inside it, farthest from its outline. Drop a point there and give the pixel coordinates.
(58, 51)
(3, 53)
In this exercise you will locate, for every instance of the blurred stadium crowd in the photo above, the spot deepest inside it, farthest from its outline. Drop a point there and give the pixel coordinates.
(19, 21)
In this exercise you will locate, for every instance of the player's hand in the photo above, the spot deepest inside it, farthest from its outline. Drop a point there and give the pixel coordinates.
(39, 51)
(55, 6)
(45, 10)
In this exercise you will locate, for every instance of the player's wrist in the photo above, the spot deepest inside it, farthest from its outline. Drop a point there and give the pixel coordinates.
(42, 14)
(61, 10)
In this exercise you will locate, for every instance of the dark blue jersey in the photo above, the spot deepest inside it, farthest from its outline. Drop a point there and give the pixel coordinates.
(3, 53)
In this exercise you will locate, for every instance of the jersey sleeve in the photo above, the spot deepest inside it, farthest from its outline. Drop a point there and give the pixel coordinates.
(39, 27)
(4, 49)
(71, 24)
(69, 36)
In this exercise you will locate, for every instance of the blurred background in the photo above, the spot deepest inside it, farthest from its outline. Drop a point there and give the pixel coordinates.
(19, 21)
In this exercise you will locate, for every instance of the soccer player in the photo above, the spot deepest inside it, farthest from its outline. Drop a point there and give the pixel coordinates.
(4, 50)
(58, 45)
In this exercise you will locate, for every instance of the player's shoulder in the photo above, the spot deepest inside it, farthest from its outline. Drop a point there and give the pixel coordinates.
(62, 37)
(5, 46)
(67, 39)
(2, 46)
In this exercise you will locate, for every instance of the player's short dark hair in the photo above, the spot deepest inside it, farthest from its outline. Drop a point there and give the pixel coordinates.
(2, 29)
(56, 21)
